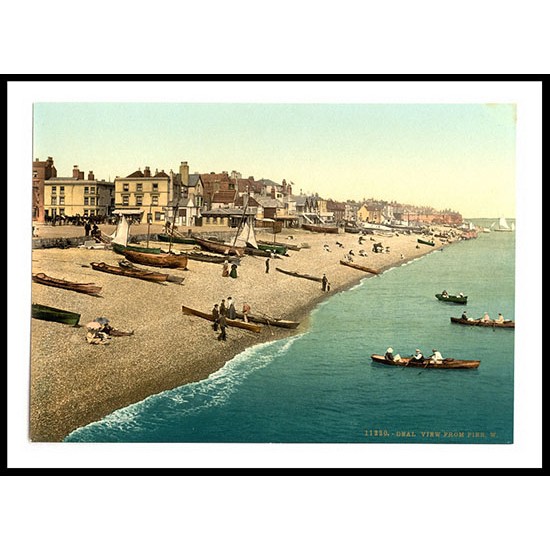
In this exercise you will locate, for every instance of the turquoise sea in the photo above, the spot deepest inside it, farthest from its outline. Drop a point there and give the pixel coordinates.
(321, 386)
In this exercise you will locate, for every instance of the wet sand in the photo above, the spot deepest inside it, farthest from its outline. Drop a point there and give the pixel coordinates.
(74, 383)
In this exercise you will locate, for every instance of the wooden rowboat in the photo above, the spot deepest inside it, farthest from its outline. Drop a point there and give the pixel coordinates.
(361, 267)
(175, 239)
(480, 323)
(445, 364)
(119, 249)
(220, 248)
(231, 322)
(429, 243)
(212, 258)
(320, 228)
(153, 276)
(125, 264)
(302, 275)
(168, 260)
(272, 247)
(47, 313)
(263, 320)
(288, 246)
(452, 298)
(84, 288)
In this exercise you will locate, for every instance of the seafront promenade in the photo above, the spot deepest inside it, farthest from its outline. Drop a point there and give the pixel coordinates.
(74, 383)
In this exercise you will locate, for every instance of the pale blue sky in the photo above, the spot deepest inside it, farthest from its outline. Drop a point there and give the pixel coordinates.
(457, 156)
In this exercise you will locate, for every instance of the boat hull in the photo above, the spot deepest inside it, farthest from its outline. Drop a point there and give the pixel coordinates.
(47, 313)
(84, 288)
(172, 261)
(120, 249)
(180, 240)
(360, 267)
(422, 241)
(230, 322)
(300, 275)
(446, 364)
(452, 299)
(126, 272)
(282, 323)
(479, 323)
(221, 248)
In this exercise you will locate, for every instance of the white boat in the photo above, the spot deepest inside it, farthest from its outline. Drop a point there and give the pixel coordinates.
(503, 225)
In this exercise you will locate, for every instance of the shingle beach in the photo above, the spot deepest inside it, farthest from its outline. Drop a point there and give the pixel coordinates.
(74, 383)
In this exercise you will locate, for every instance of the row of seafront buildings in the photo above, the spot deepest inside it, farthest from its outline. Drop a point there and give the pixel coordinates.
(210, 199)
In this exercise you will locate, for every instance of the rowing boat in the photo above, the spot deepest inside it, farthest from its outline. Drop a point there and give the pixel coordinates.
(283, 245)
(272, 247)
(220, 248)
(168, 260)
(480, 323)
(47, 313)
(445, 364)
(212, 258)
(429, 243)
(320, 228)
(153, 276)
(452, 298)
(175, 239)
(266, 320)
(84, 288)
(361, 267)
(302, 275)
(125, 264)
(231, 322)
(120, 249)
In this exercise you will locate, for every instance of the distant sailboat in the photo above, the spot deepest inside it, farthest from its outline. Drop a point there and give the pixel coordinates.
(503, 225)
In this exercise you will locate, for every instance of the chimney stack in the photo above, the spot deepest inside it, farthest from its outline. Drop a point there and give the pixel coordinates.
(147, 172)
(184, 173)
(75, 171)
(91, 175)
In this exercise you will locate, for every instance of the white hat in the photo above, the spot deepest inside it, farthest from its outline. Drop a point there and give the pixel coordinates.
(390, 350)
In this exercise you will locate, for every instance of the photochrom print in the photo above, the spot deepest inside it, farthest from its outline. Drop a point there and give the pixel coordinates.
(273, 272)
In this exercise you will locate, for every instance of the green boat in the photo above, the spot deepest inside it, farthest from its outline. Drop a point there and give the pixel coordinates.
(452, 298)
(119, 249)
(429, 243)
(181, 240)
(47, 313)
(276, 248)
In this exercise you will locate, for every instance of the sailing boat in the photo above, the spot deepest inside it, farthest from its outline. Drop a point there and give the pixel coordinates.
(119, 239)
(503, 225)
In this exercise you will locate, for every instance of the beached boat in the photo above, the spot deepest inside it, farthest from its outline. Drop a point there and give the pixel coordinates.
(176, 239)
(352, 229)
(120, 249)
(84, 288)
(270, 321)
(455, 299)
(361, 267)
(47, 313)
(479, 323)
(302, 275)
(276, 248)
(320, 228)
(231, 322)
(168, 260)
(145, 275)
(448, 363)
(429, 243)
(125, 264)
(220, 248)
(212, 258)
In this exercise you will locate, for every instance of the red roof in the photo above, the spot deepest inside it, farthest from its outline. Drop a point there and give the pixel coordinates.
(225, 197)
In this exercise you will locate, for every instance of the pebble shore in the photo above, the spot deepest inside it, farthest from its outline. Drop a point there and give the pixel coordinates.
(74, 383)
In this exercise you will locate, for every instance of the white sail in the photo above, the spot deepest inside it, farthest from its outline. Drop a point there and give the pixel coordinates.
(120, 235)
(513, 226)
(503, 224)
(246, 236)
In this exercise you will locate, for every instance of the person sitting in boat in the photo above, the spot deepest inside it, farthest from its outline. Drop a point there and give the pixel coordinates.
(461, 294)
(500, 318)
(418, 357)
(464, 316)
(445, 294)
(436, 358)
(486, 318)
(389, 354)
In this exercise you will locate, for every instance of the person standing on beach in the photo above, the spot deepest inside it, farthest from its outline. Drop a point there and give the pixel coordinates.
(223, 325)
(215, 315)
(267, 265)
(223, 308)
(233, 272)
(246, 311)
(231, 313)
(225, 270)
(87, 228)
(324, 283)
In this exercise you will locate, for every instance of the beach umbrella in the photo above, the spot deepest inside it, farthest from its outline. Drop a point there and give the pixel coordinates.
(94, 325)
(101, 320)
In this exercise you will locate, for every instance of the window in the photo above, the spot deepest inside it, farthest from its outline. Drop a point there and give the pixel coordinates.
(158, 217)
(35, 174)
(139, 187)
(126, 187)
(125, 200)
(155, 186)
(86, 190)
(54, 200)
(155, 200)
(61, 189)
(92, 201)
(92, 190)
(61, 211)
(86, 201)
(139, 200)
(61, 200)
(54, 189)
(86, 212)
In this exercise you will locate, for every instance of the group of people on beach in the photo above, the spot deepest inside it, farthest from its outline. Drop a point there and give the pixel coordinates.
(228, 271)
(418, 357)
(226, 310)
